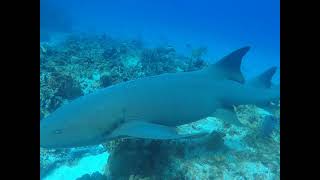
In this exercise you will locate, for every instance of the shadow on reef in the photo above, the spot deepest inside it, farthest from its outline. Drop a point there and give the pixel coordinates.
(130, 158)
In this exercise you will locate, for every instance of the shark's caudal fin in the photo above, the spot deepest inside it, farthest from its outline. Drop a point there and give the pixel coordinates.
(264, 79)
(229, 66)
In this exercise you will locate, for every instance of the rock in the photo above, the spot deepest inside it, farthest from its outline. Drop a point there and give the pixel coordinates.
(136, 157)
(68, 88)
(110, 53)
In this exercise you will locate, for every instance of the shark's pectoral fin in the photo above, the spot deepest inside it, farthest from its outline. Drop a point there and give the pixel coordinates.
(228, 115)
(229, 66)
(146, 130)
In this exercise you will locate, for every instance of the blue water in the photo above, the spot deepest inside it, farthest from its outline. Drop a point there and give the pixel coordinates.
(221, 26)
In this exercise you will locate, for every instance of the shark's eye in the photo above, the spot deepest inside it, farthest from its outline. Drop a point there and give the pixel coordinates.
(58, 131)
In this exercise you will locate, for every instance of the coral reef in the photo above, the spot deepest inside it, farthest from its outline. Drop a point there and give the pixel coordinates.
(260, 122)
(196, 60)
(248, 115)
(229, 151)
(51, 159)
(93, 176)
(159, 60)
(151, 158)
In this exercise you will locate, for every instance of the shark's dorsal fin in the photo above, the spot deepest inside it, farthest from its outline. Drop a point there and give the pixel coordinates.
(229, 66)
(264, 79)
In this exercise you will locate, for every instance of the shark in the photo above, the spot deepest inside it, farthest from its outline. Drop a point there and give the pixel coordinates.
(152, 107)
(261, 81)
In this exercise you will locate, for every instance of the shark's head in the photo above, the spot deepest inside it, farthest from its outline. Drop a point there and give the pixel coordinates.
(64, 130)
(79, 123)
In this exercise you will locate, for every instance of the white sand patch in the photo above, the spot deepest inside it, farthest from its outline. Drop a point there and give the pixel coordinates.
(86, 165)
(251, 169)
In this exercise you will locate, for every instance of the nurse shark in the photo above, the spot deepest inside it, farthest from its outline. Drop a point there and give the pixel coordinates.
(152, 107)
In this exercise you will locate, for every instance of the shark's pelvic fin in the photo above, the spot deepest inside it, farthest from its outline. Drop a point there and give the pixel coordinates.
(264, 79)
(146, 130)
(229, 66)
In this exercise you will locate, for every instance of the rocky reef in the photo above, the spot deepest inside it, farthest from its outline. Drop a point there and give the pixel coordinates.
(82, 63)
(227, 152)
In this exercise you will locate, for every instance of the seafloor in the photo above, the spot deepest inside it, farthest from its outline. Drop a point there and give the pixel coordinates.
(77, 64)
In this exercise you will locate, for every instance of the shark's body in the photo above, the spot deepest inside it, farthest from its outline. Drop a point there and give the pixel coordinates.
(151, 107)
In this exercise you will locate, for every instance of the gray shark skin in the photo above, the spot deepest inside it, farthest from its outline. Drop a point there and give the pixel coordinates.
(152, 107)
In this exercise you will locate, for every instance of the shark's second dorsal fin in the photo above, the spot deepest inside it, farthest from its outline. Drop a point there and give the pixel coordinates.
(264, 79)
(229, 66)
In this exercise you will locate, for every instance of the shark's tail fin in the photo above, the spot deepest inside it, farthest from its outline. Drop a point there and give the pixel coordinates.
(229, 66)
